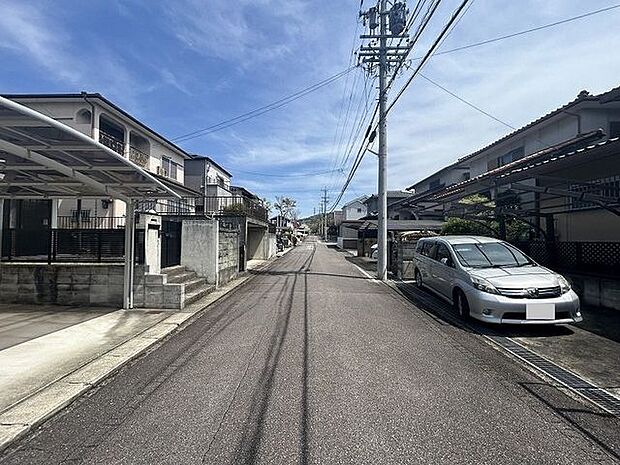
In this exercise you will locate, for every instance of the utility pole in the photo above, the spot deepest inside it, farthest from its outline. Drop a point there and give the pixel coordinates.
(385, 57)
(324, 202)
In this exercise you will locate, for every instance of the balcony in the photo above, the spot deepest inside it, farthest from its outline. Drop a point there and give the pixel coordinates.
(112, 142)
(85, 221)
(207, 206)
(138, 157)
(235, 206)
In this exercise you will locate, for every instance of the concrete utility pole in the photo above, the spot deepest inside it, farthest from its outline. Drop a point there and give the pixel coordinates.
(385, 57)
(324, 202)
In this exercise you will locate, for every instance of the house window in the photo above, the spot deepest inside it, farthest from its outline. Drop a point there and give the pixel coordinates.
(169, 167)
(614, 129)
(510, 156)
(436, 183)
(359, 210)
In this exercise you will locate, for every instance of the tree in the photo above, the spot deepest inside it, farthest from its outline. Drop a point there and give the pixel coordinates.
(267, 205)
(285, 206)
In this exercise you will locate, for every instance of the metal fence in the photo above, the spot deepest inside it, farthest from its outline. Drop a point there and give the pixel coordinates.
(206, 206)
(90, 222)
(587, 257)
(69, 245)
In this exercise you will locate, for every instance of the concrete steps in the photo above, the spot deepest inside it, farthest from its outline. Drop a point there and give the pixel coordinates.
(194, 286)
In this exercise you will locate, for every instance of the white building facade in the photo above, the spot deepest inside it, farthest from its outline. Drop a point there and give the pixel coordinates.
(97, 117)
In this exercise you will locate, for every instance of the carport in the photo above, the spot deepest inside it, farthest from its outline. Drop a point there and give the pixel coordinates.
(568, 195)
(560, 180)
(44, 159)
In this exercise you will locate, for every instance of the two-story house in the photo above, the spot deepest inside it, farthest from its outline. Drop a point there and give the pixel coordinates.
(355, 209)
(574, 126)
(95, 116)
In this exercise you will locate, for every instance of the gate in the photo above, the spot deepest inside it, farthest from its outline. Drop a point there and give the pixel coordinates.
(170, 243)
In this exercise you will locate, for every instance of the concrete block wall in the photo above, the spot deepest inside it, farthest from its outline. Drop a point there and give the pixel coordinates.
(228, 255)
(155, 292)
(199, 248)
(70, 284)
(98, 285)
(596, 291)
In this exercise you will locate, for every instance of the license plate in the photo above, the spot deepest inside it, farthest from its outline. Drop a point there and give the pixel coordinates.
(540, 311)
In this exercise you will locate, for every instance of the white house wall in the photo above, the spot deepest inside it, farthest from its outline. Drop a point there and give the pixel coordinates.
(351, 211)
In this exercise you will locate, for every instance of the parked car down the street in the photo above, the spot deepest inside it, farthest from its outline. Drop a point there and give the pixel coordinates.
(493, 281)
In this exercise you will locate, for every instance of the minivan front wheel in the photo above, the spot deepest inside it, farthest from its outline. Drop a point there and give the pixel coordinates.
(461, 304)
(418, 279)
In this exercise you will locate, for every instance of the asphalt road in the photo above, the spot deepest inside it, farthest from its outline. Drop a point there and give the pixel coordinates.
(311, 362)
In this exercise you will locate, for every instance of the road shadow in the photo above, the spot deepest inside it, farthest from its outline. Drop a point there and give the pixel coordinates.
(293, 273)
(595, 424)
(604, 322)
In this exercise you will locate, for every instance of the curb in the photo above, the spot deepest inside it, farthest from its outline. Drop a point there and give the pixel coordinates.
(22, 418)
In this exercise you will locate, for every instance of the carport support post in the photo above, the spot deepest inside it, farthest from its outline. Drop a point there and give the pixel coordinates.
(129, 254)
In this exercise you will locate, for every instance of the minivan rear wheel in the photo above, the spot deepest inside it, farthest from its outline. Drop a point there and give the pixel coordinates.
(418, 279)
(461, 304)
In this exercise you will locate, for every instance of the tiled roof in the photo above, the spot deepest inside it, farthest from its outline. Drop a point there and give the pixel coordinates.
(584, 96)
(534, 160)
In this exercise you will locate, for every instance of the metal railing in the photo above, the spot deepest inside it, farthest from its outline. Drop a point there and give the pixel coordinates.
(93, 222)
(138, 157)
(206, 206)
(112, 142)
(233, 206)
(69, 245)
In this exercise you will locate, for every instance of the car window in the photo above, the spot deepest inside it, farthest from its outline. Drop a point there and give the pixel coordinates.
(443, 252)
(433, 250)
(490, 255)
(426, 250)
(419, 246)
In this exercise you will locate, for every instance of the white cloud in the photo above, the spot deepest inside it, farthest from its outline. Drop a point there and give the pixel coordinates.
(246, 31)
(23, 29)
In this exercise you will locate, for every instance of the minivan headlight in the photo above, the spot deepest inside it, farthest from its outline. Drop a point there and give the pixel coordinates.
(564, 284)
(483, 285)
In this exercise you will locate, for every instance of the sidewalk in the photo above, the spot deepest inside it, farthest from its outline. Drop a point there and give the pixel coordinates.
(50, 355)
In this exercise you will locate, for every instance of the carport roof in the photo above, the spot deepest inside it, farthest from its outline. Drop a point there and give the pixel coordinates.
(44, 158)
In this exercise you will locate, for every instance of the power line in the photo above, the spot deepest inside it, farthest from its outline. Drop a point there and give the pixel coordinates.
(362, 151)
(466, 102)
(432, 8)
(526, 31)
(264, 109)
(430, 52)
(363, 148)
(295, 175)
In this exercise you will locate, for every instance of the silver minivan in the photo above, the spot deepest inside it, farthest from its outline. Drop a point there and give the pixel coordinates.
(490, 280)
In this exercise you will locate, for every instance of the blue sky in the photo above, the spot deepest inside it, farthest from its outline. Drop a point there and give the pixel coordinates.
(187, 64)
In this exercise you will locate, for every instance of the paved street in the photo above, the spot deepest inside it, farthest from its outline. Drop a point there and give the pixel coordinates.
(312, 362)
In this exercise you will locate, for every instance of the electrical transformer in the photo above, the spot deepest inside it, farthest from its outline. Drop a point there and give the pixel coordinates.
(398, 18)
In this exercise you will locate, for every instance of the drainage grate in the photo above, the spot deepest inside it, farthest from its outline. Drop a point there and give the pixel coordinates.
(578, 385)
(589, 391)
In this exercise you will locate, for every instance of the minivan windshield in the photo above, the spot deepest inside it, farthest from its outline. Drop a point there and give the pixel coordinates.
(490, 255)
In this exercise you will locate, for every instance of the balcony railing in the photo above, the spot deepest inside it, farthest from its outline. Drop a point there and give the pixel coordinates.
(138, 157)
(92, 222)
(234, 206)
(206, 206)
(112, 142)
